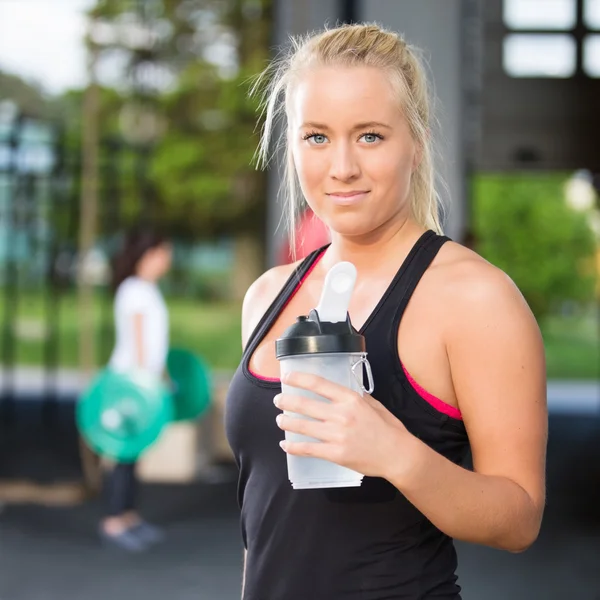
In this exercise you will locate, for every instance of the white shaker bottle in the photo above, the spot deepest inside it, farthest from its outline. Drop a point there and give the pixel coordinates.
(325, 344)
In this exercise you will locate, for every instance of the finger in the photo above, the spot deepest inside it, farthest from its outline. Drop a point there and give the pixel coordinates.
(319, 385)
(312, 449)
(314, 429)
(309, 407)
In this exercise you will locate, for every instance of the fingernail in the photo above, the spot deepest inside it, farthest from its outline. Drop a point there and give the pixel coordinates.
(282, 444)
(276, 400)
(278, 420)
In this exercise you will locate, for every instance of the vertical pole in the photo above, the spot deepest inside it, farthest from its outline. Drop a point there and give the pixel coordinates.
(348, 11)
(52, 304)
(88, 215)
(87, 233)
(14, 184)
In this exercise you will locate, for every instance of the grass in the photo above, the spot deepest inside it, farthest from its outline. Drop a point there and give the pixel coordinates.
(572, 346)
(210, 329)
(213, 331)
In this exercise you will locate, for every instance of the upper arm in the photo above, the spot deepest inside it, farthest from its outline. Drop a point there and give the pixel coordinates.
(497, 361)
(132, 298)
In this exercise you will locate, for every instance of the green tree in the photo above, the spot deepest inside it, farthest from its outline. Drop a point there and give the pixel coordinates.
(200, 164)
(524, 227)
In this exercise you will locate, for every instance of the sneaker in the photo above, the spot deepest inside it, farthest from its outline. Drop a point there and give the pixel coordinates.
(126, 540)
(147, 533)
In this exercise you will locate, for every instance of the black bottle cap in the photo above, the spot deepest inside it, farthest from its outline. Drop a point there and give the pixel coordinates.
(310, 335)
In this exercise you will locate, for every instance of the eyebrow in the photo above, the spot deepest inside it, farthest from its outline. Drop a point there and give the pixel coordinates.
(357, 126)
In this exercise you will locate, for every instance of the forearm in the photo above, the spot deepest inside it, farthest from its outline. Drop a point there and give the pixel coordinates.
(465, 505)
(138, 328)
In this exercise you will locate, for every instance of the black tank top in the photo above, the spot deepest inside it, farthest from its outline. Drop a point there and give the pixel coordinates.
(365, 543)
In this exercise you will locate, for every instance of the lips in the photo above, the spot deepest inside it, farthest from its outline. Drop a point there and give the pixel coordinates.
(348, 198)
(348, 194)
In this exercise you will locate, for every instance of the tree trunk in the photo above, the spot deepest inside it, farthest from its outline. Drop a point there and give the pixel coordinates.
(87, 234)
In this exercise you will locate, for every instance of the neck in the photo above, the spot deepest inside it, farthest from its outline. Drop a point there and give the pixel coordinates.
(146, 276)
(389, 243)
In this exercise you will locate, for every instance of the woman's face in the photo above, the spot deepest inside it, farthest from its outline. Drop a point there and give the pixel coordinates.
(352, 148)
(157, 261)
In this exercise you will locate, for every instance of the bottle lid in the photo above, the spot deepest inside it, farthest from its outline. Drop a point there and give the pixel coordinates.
(310, 335)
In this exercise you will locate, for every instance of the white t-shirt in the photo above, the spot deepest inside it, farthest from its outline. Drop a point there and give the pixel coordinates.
(138, 296)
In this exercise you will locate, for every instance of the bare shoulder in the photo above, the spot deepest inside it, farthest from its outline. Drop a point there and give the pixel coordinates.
(475, 292)
(261, 294)
(466, 278)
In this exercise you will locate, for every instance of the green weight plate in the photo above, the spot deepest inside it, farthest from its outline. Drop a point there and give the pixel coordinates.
(120, 416)
(192, 384)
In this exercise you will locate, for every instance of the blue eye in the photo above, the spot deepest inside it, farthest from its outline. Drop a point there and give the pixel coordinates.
(318, 138)
(371, 138)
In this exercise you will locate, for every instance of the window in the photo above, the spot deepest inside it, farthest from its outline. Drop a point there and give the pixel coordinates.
(540, 55)
(547, 15)
(591, 55)
(591, 14)
(551, 38)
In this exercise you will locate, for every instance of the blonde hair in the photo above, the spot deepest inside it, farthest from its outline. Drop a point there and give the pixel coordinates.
(364, 45)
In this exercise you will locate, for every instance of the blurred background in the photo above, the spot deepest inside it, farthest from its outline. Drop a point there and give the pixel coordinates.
(117, 112)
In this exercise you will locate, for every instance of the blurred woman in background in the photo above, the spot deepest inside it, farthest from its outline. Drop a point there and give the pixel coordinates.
(141, 344)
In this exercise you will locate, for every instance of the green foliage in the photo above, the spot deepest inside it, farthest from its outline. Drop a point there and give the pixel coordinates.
(199, 167)
(572, 345)
(210, 329)
(524, 227)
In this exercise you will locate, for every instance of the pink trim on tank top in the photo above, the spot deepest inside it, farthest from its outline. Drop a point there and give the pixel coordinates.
(298, 286)
(438, 404)
(262, 377)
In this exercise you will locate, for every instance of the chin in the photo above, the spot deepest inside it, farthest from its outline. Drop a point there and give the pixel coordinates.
(350, 225)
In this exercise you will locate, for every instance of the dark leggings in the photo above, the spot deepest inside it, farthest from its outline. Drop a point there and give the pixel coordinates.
(120, 489)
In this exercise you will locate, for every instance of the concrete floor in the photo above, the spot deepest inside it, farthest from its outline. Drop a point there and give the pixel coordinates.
(53, 553)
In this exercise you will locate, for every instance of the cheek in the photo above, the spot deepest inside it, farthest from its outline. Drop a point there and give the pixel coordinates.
(161, 263)
(310, 165)
(389, 169)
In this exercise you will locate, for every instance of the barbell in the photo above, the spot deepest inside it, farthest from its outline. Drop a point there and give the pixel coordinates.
(121, 415)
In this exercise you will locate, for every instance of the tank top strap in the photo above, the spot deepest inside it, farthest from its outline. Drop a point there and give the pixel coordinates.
(283, 297)
(386, 317)
(423, 256)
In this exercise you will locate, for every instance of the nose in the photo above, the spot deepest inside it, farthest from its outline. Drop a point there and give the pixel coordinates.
(344, 162)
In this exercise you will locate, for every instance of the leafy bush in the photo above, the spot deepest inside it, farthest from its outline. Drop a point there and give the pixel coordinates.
(523, 225)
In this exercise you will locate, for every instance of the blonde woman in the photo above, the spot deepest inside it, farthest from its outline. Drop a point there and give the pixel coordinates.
(456, 354)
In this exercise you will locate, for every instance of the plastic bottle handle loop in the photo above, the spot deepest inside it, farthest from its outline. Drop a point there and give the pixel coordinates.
(363, 361)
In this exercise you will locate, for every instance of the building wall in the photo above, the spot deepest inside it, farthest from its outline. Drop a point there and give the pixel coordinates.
(534, 123)
(435, 28)
(292, 17)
